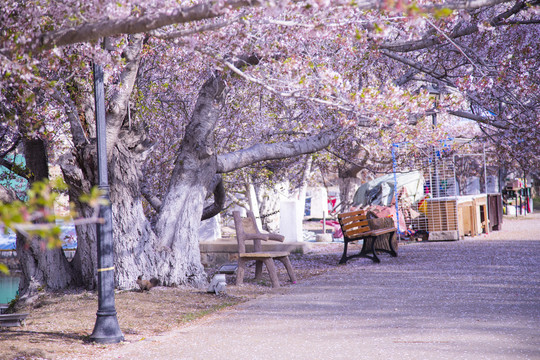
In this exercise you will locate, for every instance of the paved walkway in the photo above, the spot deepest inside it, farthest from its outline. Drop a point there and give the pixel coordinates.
(471, 299)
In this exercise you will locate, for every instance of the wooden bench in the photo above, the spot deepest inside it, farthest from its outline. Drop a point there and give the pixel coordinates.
(246, 229)
(7, 320)
(356, 226)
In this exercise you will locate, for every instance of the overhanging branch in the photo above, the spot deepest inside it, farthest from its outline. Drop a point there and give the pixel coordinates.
(134, 25)
(92, 31)
(479, 119)
(262, 152)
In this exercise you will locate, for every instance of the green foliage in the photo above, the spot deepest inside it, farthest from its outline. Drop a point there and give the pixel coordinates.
(36, 216)
(94, 198)
(4, 269)
(442, 13)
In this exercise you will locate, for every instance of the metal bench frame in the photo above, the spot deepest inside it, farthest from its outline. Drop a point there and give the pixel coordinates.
(355, 226)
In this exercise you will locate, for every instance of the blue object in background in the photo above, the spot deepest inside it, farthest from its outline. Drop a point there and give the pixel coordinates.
(9, 287)
(68, 237)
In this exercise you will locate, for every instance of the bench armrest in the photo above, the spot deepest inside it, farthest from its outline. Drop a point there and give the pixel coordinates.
(265, 237)
(382, 231)
(276, 237)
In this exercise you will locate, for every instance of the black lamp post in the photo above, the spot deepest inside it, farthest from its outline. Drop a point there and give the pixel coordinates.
(106, 329)
(434, 90)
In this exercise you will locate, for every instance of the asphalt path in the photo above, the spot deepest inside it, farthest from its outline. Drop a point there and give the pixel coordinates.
(471, 299)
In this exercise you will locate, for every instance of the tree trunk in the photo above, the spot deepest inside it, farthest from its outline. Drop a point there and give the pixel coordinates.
(80, 174)
(132, 233)
(269, 204)
(42, 268)
(348, 183)
(302, 191)
(178, 225)
(347, 189)
(180, 215)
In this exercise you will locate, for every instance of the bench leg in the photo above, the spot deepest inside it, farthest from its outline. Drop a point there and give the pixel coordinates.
(240, 271)
(271, 267)
(368, 247)
(371, 248)
(258, 269)
(393, 251)
(285, 260)
(344, 258)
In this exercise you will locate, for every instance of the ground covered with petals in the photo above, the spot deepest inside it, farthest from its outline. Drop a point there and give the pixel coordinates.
(59, 325)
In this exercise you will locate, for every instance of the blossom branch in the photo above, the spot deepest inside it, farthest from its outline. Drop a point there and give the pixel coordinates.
(134, 25)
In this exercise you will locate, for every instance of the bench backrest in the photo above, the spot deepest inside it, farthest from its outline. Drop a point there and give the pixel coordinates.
(246, 228)
(353, 223)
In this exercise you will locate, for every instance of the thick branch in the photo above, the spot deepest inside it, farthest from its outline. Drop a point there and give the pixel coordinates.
(134, 25)
(479, 119)
(518, 22)
(14, 168)
(153, 200)
(117, 109)
(416, 66)
(262, 152)
(207, 10)
(203, 119)
(459, 31)
(219, 199)
(518, 6)
(77, 131)
(14, 143)
(430, 41)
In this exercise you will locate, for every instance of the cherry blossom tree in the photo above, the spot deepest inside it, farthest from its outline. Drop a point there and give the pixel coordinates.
(489, 56)
(213, 88)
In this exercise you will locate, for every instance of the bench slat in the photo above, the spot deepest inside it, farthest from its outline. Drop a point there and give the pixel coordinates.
(363, 223)
(355, 232)
(267, 254)
(353, 219)
(351, 213)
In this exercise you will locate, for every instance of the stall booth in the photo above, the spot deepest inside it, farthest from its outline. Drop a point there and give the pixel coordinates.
(454, 200)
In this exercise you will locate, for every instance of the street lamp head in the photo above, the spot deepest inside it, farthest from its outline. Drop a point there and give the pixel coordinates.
(433, 89)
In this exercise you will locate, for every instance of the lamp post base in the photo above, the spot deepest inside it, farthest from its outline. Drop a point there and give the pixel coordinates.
(106, 329)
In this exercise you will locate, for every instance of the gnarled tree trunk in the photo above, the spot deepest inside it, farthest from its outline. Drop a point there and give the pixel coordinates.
(42, 268)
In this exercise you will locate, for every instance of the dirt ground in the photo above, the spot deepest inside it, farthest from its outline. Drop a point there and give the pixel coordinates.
(59, 325)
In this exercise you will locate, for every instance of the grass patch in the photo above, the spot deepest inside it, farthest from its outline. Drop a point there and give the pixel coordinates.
(192, 316)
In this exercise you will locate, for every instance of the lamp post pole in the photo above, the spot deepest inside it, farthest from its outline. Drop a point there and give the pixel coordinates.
(106, 329)
(435, 181)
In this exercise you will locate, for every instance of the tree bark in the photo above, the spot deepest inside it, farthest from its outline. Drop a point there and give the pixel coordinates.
(79, 172)
(195, 167)
(42, 268)
(132, 232)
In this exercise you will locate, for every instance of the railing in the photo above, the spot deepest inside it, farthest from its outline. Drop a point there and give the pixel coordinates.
(11, 253)
(8, 253)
